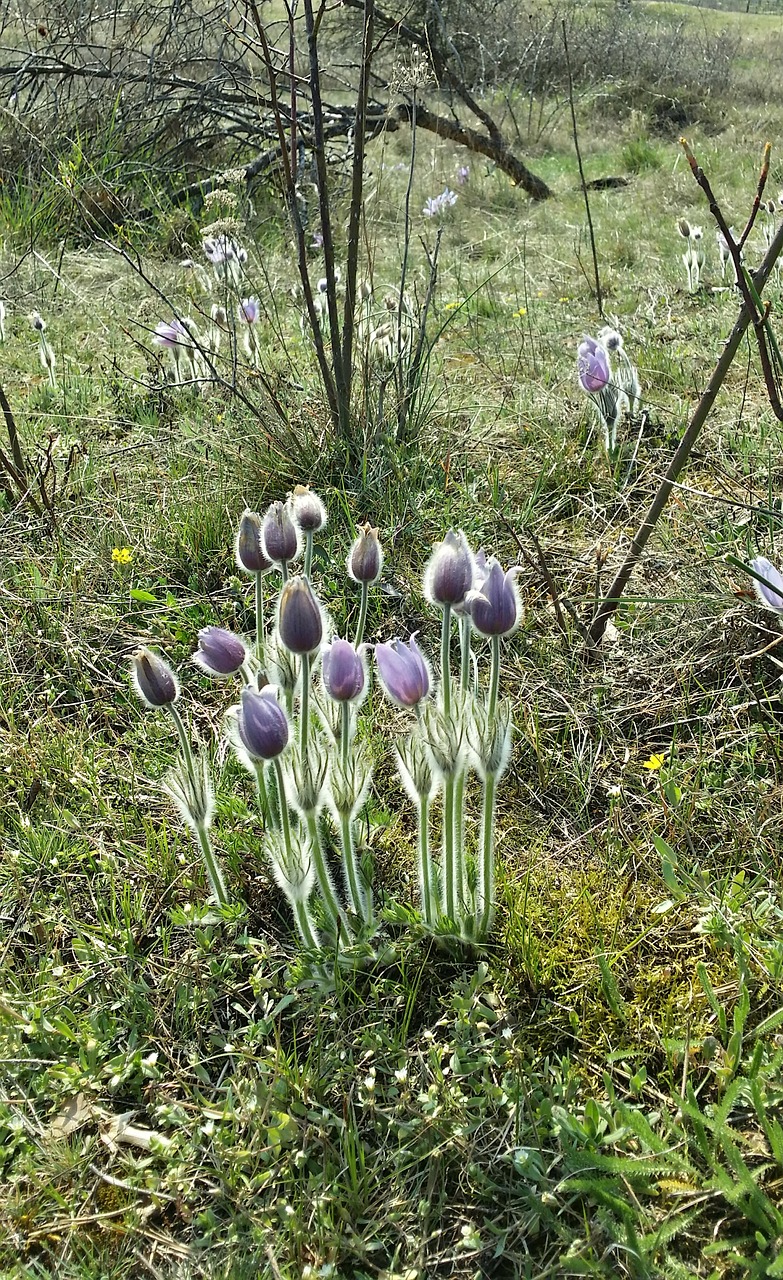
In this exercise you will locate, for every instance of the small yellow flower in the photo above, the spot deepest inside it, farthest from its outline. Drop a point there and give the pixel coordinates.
(521, 312)
(122, 555)
(452, 306)
(565, 299)
(655, 762)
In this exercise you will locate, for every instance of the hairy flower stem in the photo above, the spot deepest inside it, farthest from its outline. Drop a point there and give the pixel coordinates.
(331, 901)
(305, 925)
(494, 680)
(214, 873)
(445, 660)
(308, 560)
(304, 709)
(357, 894)
(260, 625)
(485, 890)
(263, 795)
(460, 779)
(449, 858)
(425, 863)
(464, 640)
(362, 615)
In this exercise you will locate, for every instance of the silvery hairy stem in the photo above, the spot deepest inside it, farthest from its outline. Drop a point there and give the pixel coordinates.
(214, 872)
(359, 897)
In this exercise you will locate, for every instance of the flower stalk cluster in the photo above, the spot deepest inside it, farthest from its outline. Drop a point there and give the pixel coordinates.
(296, 726)
(611, 381)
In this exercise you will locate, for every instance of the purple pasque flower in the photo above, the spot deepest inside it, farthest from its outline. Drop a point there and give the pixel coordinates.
(249, 310)
(495, 606)
(172, 335)
(280, 533)
(308, 509)
(221, 249)
(300, 623)
(153, 679)
(262, 723)
(365, 559)
(342, 669)
(220, 653)
(592, 366)
(771, 595)
(449, 575)
(463, 174)
(249, 545)
(404, 672)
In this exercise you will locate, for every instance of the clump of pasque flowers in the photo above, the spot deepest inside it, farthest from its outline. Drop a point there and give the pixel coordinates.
(296, 723)
(611, 381)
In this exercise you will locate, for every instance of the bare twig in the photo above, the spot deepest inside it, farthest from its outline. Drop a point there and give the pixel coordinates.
(575, 134)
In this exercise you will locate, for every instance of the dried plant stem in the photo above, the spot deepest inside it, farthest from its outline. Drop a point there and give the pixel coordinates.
(598, 295)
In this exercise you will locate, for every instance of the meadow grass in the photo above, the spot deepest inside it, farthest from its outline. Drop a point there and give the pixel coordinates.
(597, 1093)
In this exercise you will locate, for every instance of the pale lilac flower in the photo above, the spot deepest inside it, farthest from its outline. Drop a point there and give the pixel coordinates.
(449, 575)
(343, 672)
(463, 174)
(249, 310)
(280, 534)
(262, 724)
(171, 335)
(403, 670)
(220, 653)
(494, 606)
(365, 559)
(436, 205)
(317, 241)
(771, 595)
(249, 546)
(592, 364)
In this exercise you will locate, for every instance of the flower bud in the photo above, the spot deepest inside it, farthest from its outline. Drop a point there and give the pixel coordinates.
(365, 559)
(449, 575)
(592, 365)
(299, 621)
(262, 724)
(220, 653)
(249, 547)
(153, 679)
(343, 672)
(770, 592)
(280, 534)
(403, 670)
(495, 607)
(309, 511)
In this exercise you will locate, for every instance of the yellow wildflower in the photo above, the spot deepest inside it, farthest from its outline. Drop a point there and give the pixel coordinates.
(122, 555)
(655, 762)
(521, 312)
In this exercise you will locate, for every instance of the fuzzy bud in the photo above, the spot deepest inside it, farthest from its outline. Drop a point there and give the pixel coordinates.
(220, 653)
(262, 724)
(280, 534)
(365, 559)
(343, 672)
(300, 624)
(449, 575)
(495, 607)
(404, 672)
(153, 679)
(308, 509)
(249, 547)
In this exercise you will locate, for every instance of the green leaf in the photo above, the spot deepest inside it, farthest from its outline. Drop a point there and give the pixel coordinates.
(144, 597)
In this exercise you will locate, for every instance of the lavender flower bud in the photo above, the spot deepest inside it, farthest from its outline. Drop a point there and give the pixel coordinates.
(153, 679)
(300, 624)
(280, 534)
(365, 559)
(403, 670)
(262, 724)
(249, 546)
(343, 672)
(592, 365)
(495, 607)
(772, 595)
(449, 575)
(309, 511)
(220, 653)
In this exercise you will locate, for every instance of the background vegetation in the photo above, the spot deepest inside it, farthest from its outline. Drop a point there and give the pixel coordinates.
(600, 1093)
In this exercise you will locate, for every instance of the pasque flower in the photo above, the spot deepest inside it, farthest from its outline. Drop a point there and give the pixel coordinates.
(592, 366)
(262, 723)
(308, 509)
(494, 606)
(343, 672)
(770, 592)
(449, 575)
(220, 653)
(404, 672)
(153, 679)
(249, 547)
(365, 559)
(281, 536)
(300, 623)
